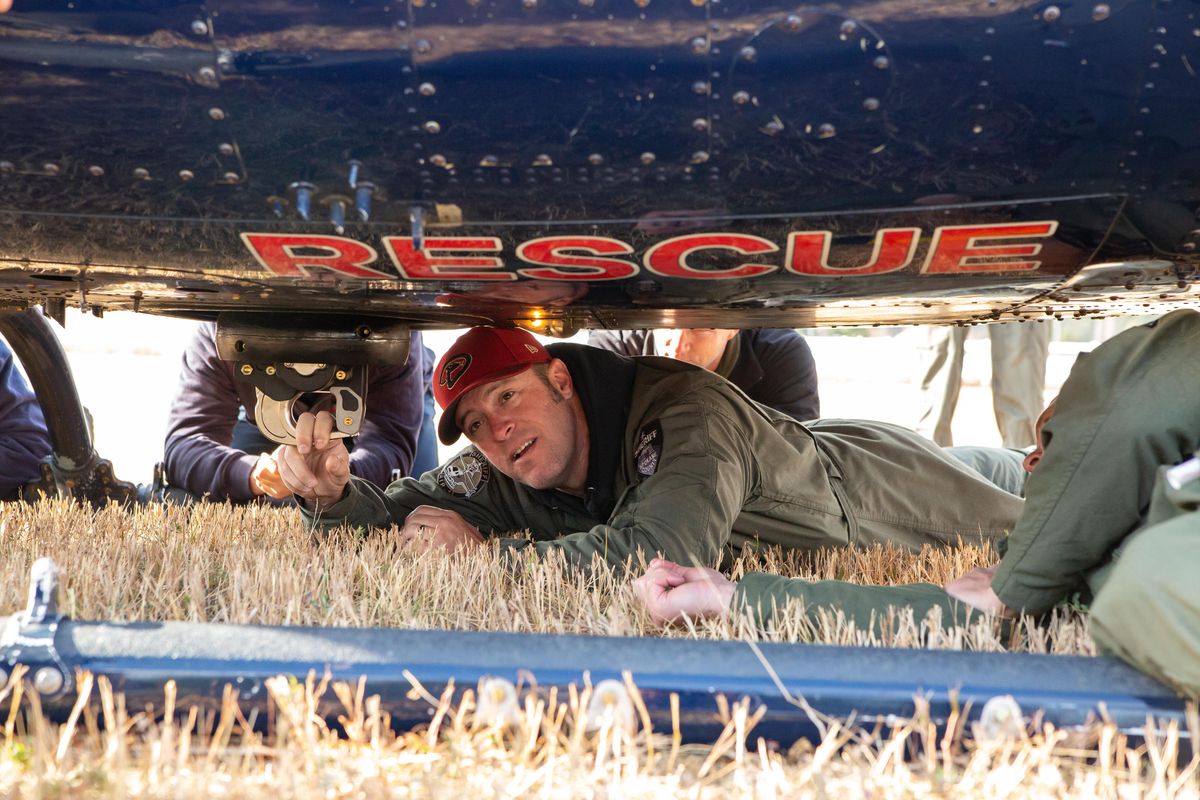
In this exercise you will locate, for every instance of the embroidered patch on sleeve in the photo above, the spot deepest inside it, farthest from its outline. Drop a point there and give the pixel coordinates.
(465, 474)
(649, 448)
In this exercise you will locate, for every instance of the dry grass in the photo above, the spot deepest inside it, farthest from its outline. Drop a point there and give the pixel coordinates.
(214, 563)
(554, 747)
(258, 565)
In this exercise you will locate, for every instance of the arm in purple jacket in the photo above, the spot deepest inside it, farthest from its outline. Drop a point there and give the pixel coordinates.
(200, 426)
(395, 405)
(24, 441)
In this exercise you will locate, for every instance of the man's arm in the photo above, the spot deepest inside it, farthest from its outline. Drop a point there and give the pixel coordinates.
(1127, 407)
(789, 381)
(670, 591)
(200, 426)
(394, 409)
(24, 441)
(364, 505)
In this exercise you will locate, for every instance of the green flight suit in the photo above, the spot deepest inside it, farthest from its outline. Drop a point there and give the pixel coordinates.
(1127, 408)
(1147, 606)
(704, 471)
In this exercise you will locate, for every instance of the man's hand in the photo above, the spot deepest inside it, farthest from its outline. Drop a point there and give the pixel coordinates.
(431, 528)
(317, 468)
(670, 591)
(265, 479)
(975, 589)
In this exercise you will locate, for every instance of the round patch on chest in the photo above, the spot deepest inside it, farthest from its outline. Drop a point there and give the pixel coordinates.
(465, 474)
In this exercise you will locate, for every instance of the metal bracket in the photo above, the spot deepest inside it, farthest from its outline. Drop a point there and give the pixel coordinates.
(286, 356)
(275, 415)
(28, 637)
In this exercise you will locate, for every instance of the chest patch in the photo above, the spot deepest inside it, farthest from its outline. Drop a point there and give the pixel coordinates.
(465, 474)
(649, 448)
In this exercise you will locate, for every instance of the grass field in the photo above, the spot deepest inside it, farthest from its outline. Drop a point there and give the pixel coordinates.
(257, 565)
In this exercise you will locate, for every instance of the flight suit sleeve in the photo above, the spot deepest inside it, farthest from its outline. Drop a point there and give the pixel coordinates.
(200, 426)
(24, 441)
(395, 406)
(1127, 407)
(789, 374)
(365, 505)
(684, 510)
(868, 607)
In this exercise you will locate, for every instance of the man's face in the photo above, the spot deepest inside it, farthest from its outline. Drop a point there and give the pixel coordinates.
(1035, 456)
(700, 346)
(529, 429)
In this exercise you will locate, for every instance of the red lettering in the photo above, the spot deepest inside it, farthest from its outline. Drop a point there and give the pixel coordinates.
(548, 252)
(423, 265)
(280, 254)
(670, 257)
(955, 248)
(808, 253)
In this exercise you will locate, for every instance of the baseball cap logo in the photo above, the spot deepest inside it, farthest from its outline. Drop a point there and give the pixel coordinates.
(454, 369)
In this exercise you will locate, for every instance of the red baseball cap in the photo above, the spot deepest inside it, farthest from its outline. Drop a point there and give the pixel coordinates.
(479, 356)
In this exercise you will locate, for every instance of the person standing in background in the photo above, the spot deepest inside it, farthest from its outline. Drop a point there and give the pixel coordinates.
(1018, 380)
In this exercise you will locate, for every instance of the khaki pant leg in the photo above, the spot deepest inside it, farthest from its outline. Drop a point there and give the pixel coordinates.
(1148, 611)
(1018, 378)
(941, 382)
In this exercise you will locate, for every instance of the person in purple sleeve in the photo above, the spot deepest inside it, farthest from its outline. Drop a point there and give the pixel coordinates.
(214, 448)
(24, 441)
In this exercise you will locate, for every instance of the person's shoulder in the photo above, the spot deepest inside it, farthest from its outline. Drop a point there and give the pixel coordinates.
(774, 337)
(628, 342)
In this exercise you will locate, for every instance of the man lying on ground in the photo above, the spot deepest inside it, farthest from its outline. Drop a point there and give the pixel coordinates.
(1100, 519)
(597, 453)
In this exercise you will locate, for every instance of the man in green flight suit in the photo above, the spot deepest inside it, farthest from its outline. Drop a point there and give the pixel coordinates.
(1106, 514)
(597, 453)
